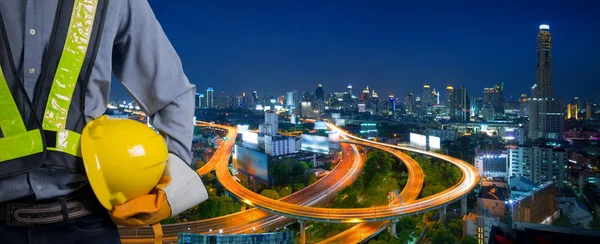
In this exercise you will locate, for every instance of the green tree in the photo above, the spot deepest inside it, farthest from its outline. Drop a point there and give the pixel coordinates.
(469, 240)
(270, 194)
(455, 226)
(441, 235)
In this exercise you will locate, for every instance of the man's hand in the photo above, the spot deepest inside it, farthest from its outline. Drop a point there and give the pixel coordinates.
(179, 189)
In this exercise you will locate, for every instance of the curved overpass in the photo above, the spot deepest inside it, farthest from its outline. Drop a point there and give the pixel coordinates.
(411, 192)
(344, 173)
(470, 179)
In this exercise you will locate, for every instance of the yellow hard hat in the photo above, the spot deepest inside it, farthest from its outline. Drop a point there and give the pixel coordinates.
(123, 159)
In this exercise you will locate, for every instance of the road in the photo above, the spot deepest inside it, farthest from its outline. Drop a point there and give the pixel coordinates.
(470, 179)
(411, 192)
(223, 152)
(255, 220)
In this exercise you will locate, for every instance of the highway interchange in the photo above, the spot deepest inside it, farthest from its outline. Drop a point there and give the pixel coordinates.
(270, 214)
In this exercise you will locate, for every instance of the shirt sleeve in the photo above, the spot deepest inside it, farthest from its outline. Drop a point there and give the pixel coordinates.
(146, 63)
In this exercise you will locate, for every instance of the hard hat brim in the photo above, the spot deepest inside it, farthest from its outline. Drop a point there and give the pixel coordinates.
(93, 170)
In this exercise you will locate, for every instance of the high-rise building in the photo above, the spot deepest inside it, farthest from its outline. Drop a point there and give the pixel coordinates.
(271, 119)
(539, 164)
(210, 97)
(223, 100)
(350, 89)
(427, 100)
(197, 100)
(409, 102)
(392, 106)
(495, 97)
(450, 100)
(488, 112)
(546, 116)
(589, 108)
(544, 88)
(320, 96)
(523, 110)
(572, 111)
(461, 105)
(477, 107)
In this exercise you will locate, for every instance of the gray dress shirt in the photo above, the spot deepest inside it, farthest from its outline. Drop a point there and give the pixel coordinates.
(135, 49)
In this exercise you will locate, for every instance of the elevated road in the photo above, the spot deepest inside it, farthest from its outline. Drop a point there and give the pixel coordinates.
(256, 220)
(223, 152)
(470, 179)
(411, 192)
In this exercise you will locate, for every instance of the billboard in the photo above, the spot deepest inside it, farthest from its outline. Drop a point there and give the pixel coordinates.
(334, 139)
(320, 125)
(418, 140)
(242, 128)
(252, 162)
(434, 143)
(316, 144)
(250, 137)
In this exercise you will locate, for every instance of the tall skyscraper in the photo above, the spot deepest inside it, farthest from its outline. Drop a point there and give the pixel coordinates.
(546, 116)
(320, 96)
(523, 111)
(495, 97)
(210, 98)
(589, 108)
(271, 119)
(427, 100)
(449, 100)
(543, 81)
(461, 105)
(409, 103)
(197, 100)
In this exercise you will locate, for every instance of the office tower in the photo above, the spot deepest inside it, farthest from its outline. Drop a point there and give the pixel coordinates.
(477, 107)
(449, 100)
(589, 108)
(572, 109)
(495, 97)
(291, 102)
(409, 102)
(320, 96)
(488, 112)
(546, 116)
(223, 100)
(523, 111)
(461, 105)
(210, 98)
(539, 164)
(392, 106)
(374, 103)
(197, 100)
(427, 100)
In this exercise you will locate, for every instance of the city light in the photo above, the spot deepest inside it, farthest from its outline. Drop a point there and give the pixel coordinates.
(544, 27)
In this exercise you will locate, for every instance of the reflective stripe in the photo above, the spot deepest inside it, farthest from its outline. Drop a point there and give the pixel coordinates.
(17, 141)
(68, 142)
(67, 73)
(11, 122)
(21, 145)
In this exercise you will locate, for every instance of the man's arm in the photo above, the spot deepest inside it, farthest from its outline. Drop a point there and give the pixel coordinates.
(147, 65)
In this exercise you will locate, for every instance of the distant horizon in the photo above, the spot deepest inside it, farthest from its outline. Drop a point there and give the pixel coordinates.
(395, 48)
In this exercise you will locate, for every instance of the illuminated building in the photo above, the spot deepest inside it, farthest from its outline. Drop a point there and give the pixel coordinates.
(589, 108)
(460, 106)
(572, 109)
(479, 226)
(271, 119)
(409, 102)
(495, 97)
(428, 98)
(488, 112)
(320, 97)
(539, 164)
(449, 100)
(523, 111)
(546, 116)
(350, 89)
(279, 145)
(210, 97)
(491, 164)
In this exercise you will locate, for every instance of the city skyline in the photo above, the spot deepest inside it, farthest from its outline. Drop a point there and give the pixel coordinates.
(250, 48)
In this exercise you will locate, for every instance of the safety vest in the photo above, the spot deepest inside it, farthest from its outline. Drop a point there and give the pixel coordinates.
(45, 131)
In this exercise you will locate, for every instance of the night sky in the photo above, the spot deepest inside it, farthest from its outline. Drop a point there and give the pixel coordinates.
(277, 46)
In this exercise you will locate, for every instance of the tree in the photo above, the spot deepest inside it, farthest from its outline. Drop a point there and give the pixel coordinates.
(455, 226)
(199, 164)
(441, 235)
(270, 194)
(469, 240)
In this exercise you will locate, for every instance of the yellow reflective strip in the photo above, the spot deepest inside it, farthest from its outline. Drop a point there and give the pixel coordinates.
(11, 122)
(68, 142)
(21, 145)
(69, 66)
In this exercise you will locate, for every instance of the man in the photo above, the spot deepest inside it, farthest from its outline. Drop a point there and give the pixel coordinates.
(56, 58)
